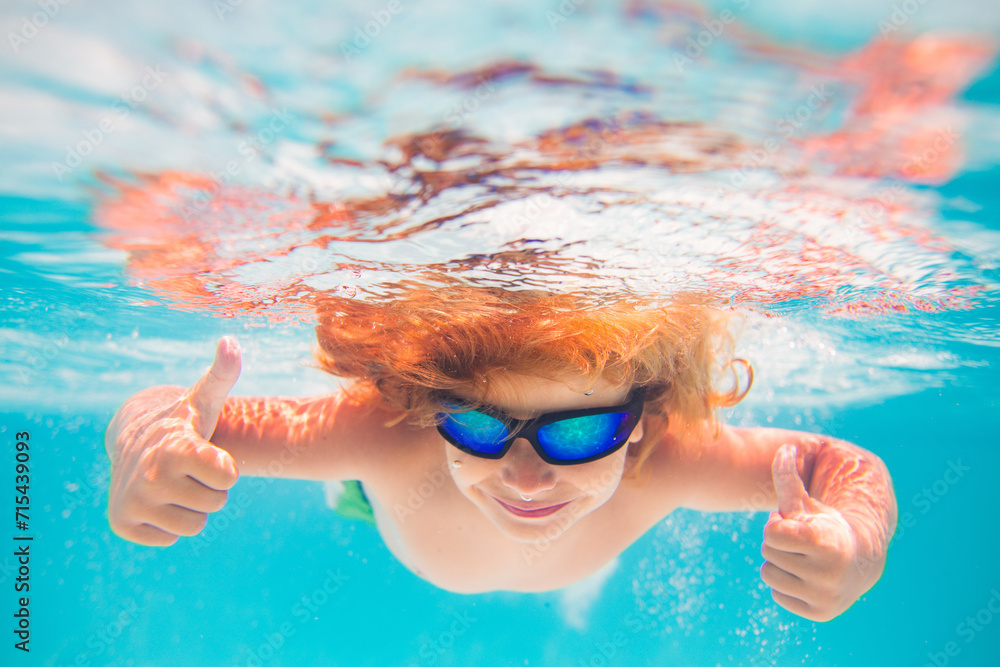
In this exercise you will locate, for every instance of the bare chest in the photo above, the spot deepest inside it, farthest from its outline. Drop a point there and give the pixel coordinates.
(444, 538)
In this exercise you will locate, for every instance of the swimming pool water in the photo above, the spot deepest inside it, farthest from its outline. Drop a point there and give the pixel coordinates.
(277, 578)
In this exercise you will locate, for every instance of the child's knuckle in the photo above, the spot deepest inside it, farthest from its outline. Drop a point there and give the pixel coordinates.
(118, 526)
(152, 471)
(219, 500)
(195, 523)
(829, 592)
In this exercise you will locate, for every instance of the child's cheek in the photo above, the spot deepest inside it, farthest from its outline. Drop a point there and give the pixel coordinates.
(467, 471)
(602, 481)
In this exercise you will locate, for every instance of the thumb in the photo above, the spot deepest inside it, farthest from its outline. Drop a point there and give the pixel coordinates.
(209, 395)
(792, 494)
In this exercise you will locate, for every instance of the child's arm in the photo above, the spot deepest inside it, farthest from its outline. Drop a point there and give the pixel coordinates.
(175, 451)
(826, 545)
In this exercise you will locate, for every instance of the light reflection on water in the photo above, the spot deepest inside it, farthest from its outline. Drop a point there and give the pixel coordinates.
(797, 188)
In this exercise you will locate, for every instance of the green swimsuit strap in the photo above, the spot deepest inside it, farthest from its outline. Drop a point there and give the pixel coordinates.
(353, 503)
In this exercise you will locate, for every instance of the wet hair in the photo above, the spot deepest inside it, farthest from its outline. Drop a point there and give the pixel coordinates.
(410, 348)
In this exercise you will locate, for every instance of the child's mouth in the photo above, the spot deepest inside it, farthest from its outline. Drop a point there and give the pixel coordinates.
(531, 511)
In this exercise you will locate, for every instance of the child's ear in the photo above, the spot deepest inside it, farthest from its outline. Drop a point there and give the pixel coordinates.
(638, 432)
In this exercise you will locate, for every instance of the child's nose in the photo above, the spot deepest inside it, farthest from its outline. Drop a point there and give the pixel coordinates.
(525, 472)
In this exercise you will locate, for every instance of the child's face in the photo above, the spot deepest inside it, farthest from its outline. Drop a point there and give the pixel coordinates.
(559, 495)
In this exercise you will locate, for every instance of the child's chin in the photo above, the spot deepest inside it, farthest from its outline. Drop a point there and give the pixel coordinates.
(539, 535)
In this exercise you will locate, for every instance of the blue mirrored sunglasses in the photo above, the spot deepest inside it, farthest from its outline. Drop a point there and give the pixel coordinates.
(566, 437)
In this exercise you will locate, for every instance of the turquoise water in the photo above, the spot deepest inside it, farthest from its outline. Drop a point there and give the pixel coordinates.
(277, 578)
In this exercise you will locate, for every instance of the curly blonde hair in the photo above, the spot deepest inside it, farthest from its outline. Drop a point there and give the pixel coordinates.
(419, 343)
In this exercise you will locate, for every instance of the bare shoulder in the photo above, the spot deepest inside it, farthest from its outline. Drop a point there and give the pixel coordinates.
(731, 470)
(372, 436)
(661, 484)
(707, 473)
(329, 437)
(398, 461)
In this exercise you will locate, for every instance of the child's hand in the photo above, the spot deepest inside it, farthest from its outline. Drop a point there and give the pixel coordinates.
(813, 566)
(166, 477)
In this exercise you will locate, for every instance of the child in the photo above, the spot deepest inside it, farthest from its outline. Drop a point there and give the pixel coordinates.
(542, 436)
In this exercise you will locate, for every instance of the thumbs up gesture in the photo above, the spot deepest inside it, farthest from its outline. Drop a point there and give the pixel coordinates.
(813, 565)
(165, 475)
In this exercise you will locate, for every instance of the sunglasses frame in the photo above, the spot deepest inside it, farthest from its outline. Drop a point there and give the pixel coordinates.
(528, 428)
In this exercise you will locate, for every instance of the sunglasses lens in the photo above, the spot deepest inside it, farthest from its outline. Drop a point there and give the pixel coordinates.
(584, 437)
(475, 430)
